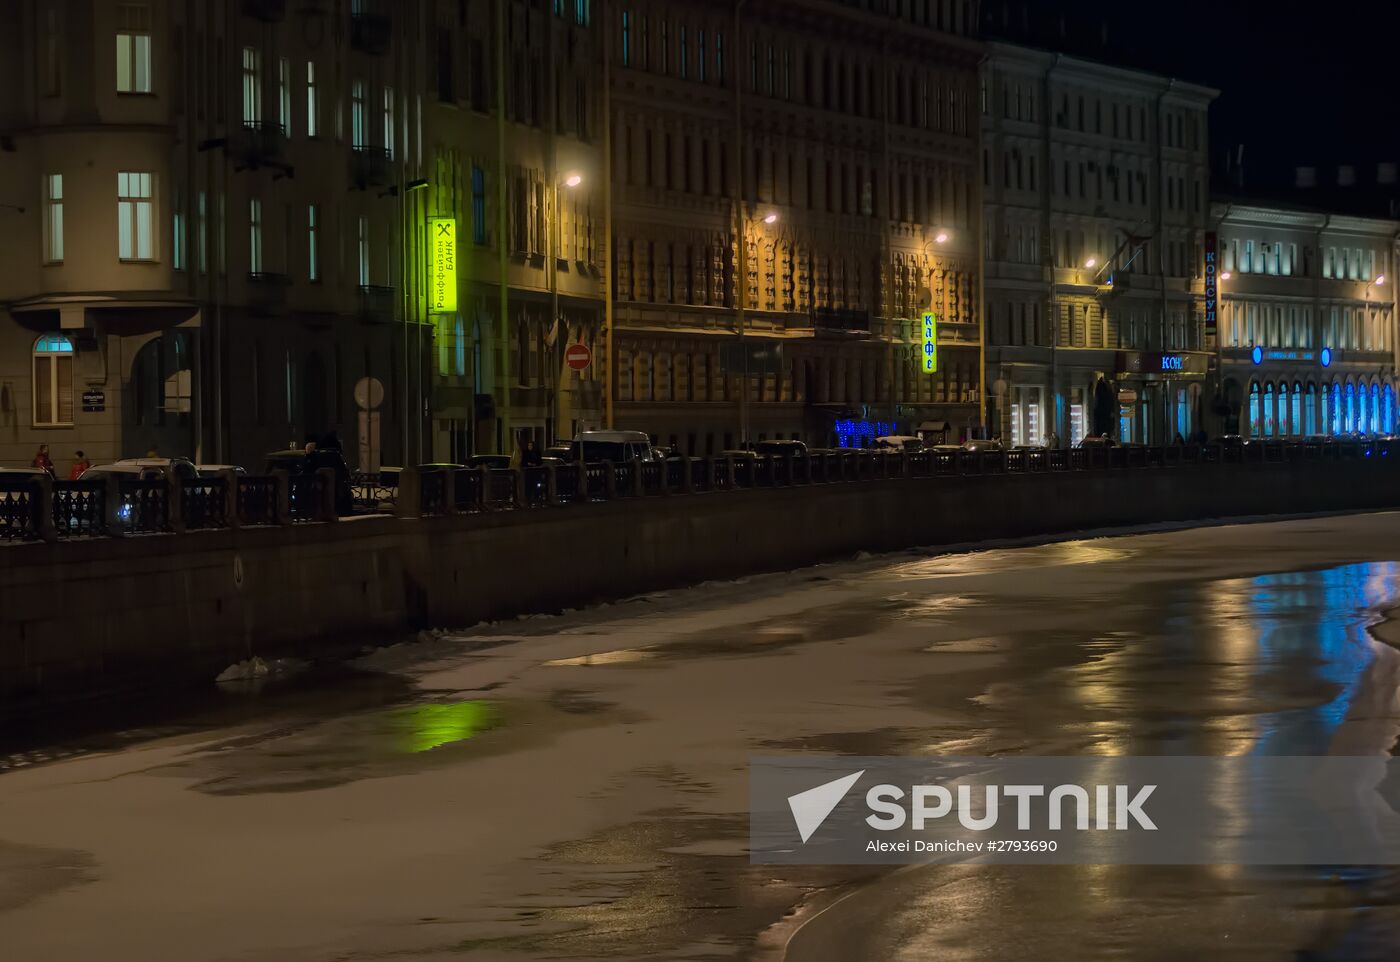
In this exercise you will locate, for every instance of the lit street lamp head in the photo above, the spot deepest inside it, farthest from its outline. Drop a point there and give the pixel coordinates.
(942, 237)
(1380, 281)
(573, 180)
(1091, 263)
(1225, 275)
(771, 219)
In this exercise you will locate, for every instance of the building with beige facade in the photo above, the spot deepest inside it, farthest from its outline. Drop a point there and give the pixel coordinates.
(1097, 194)
(1307, 320)
(793, 184)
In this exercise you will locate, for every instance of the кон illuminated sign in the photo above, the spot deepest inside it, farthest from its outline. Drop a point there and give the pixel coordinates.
(1212, 271)
(442, 287)
(930, 342)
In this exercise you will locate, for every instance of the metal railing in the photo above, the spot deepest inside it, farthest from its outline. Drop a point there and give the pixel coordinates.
(39, 509)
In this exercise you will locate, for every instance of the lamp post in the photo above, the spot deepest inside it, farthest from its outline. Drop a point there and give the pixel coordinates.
(555, 247)
(741, 306)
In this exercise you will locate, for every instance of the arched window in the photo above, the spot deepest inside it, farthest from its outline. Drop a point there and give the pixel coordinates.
(1388, 410)
(1295, 419)
(1267, 424)
(1254, 412)
(1349, 423)
(1338, 418)
(1310, 410)
(1376, 427)
(53, 381)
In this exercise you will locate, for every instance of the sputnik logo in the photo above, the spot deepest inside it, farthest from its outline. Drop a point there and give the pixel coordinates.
(810, 808)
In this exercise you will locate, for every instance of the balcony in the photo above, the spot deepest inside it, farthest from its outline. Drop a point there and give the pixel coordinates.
(371, 28)
(267, 291)
(835, 320)
(255, 144)
(376, 304)
(369, 167)
(268, 11)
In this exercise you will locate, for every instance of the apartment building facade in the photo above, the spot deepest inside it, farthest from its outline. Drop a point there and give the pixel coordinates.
(1307, 321)
(793, 185)
(513, 121)
(1097, 196)
(203, 251)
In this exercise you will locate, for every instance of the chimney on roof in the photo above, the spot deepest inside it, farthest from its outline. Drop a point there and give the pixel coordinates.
(1305, 177)
(1386, 174)
(1346, 176)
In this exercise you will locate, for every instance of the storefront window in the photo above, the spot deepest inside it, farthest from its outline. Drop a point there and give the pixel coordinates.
(1076, 424)
(1295, 421)
(1254, 412)
(1267, 425)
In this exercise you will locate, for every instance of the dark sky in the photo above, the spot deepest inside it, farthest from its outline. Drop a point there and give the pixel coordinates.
(1300, 82)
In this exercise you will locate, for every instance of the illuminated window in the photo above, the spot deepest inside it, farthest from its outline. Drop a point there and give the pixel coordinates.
(255, 246)
(134, 48)
(252, 86)
(313, 100)
(284, 94)
(313, 243)
(357, 113)
(53, 381)
(135, 216)
(389, 122)
(362, 247)
(53, 219)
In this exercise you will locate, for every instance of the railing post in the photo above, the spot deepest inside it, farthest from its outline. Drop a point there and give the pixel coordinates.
(729, 471)
(638, 485)
(484, 499)
(112, 507)
(326, 511)
(231, 518)
(581, 481)
(688, 475)
(522, 497)
(609, 481)
(42, 506)
(409, 503)
(551, 484)
(174, 503)
(449, 491)
(666, 476)
(904, 466)
(283, 509)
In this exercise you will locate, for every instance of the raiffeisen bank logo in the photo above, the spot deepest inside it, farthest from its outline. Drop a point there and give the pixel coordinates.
(1036, 807)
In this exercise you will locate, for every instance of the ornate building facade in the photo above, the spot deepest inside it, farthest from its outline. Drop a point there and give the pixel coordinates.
(793, 184)
(1097, 195)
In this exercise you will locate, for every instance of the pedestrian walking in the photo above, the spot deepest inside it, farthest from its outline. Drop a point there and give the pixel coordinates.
(42, 461)
(80, 464)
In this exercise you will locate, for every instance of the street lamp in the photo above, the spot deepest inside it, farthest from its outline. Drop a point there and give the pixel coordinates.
(741, 303)
(570, 181)
(770, 219)
(941, 238)
(1091, 263)
(1226, 275)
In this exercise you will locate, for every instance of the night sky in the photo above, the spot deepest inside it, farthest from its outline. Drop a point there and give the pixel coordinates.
(1300, 83)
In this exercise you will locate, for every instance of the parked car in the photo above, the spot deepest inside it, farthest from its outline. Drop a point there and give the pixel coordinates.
(900, 442)
(493, 461)
(1097, 441)
(298, 462)
(984, 444)
(214, 470)
(781, 448)
(559, 450)
(615, 446)
(145, 468)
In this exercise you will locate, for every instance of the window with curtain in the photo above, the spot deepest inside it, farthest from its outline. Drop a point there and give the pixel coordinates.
(53, 381)
(134, 48)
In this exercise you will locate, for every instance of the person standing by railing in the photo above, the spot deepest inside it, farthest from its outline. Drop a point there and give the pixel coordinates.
(42, 461)
(80, 464)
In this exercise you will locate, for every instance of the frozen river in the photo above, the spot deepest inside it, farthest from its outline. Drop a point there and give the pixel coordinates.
(574, 787)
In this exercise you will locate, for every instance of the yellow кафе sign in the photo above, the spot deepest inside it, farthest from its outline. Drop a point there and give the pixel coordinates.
(442, 256)
(930, 342)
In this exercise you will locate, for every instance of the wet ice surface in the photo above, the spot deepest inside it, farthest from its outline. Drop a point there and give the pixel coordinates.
(575, 787)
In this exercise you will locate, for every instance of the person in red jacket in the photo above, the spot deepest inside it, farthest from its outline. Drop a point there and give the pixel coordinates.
(79, 466)
(42, 460)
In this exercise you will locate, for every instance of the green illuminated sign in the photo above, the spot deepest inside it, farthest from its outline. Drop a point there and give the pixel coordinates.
(930, 342)
(442, 288)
